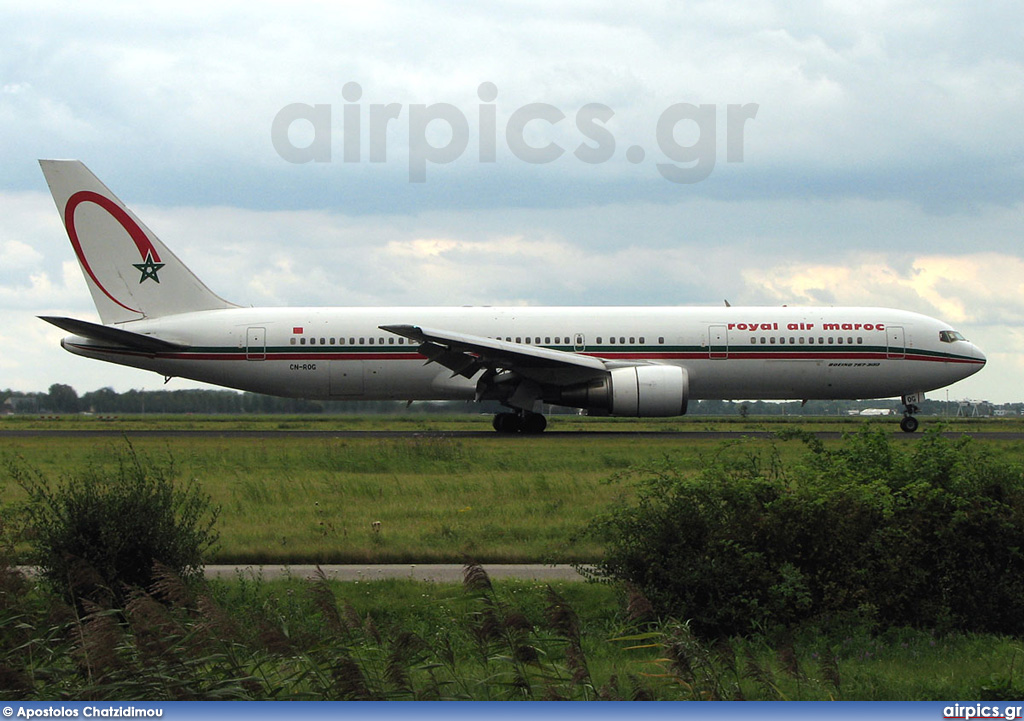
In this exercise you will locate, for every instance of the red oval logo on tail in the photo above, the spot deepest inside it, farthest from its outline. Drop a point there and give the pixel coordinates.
(149, 255)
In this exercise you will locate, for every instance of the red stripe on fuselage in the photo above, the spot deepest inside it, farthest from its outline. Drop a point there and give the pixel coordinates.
(241, 355)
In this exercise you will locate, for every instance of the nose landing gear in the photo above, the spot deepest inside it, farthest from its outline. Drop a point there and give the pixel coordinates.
(909, 424)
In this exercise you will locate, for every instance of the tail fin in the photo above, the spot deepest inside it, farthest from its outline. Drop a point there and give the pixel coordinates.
(130, 273)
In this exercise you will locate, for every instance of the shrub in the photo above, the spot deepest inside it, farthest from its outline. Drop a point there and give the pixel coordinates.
(928, 533)
(98, 532)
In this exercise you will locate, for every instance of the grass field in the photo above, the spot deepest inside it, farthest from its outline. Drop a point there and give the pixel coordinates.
(436, 498)
(493, 499)
(481, 422)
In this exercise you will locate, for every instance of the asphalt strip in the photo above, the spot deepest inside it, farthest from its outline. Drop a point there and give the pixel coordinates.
(432, 572)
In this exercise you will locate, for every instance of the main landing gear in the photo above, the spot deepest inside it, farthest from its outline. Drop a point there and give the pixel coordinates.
(520, 422)
(909, 424)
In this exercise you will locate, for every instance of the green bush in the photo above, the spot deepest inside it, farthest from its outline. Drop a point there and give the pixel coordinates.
(98, 532)
(927, 533)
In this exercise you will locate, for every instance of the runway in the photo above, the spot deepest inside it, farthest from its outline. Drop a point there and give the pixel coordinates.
(365, 572)
(327, 434)
(433, 572)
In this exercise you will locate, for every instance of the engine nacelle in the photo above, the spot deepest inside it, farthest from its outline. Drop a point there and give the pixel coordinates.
(646, 391)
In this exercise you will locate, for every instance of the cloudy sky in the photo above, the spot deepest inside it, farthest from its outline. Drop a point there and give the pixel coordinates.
(852, 154)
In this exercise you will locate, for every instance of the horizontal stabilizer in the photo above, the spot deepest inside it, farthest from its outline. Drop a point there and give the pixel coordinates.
(108, 334)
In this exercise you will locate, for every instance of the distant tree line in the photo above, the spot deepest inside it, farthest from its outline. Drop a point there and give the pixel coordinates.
(843, 408)
(62, 398)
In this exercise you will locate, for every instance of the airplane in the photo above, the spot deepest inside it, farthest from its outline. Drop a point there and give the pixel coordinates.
(623, 361)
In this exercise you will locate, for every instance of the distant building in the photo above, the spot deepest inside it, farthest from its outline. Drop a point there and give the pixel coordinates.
(20, 404)
(974, 409)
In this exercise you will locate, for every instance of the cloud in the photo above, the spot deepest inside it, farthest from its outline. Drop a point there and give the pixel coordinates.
(887, 100)
(959, 288)
(882, 167)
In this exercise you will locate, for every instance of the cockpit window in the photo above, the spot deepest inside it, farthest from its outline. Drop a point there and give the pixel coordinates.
(950, 336)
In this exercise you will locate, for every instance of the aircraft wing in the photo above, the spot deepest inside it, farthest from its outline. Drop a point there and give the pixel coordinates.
(466, 355)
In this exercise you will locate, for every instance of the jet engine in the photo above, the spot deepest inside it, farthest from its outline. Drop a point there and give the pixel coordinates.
(654, 390)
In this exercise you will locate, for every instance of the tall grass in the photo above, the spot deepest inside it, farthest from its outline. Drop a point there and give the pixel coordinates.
(402, 640)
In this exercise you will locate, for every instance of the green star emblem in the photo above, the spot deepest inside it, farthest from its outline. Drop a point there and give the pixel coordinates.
(149, 268)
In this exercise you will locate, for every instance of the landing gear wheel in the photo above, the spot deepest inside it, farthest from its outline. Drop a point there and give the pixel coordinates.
(908, 424)
(534, 423)
(531, 423)
(507, 423)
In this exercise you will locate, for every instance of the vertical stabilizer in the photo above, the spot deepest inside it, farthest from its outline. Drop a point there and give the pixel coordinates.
(130, 273)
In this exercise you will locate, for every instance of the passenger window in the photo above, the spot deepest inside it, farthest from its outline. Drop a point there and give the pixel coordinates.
(547, 341)
(753, 340)
(771, 340)
(821, 341)
(782, 341)
(622, 339)
(792, 340)
(632, 341)
(763, 341)
(302, 341)
(801, 340)
(362, 341)
(612, 340)
(323, 341)
(312, 341)
(860, 341)
(293, 341)
(839, 340)
(661, 340)
(811, 340)
(599, 340)
(642, 341)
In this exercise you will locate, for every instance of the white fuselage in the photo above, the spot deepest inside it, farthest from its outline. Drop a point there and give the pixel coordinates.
(728, 353)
